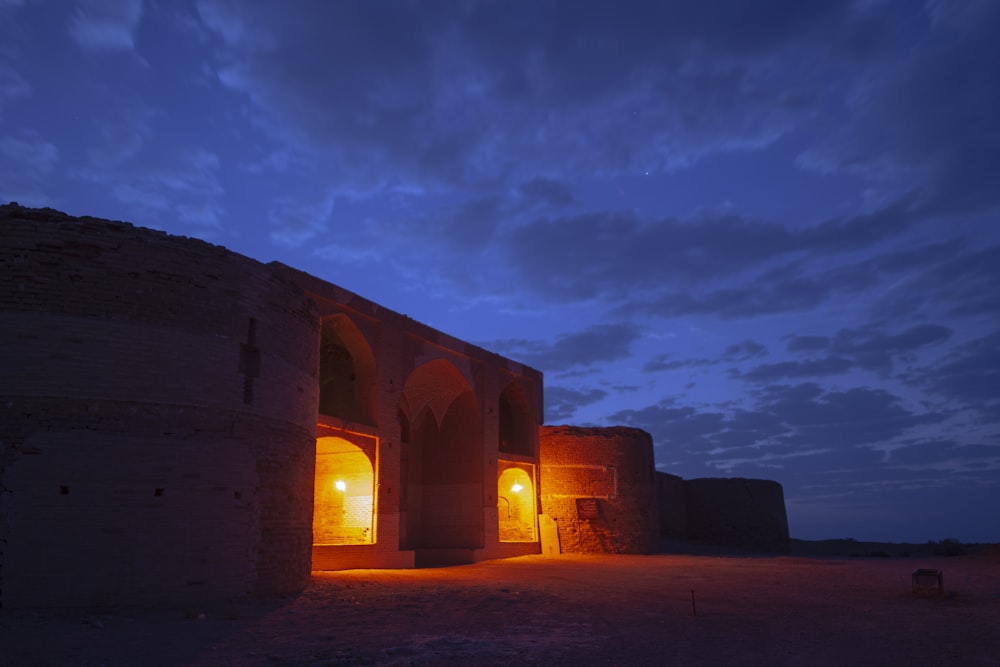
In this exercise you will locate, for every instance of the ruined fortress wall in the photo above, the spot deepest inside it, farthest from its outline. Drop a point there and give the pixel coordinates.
(157, 417)
(599, 485)
(747, 513)
(673, 510)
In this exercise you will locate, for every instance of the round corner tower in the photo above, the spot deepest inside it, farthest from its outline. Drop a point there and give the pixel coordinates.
(599, 485)
(157, 417)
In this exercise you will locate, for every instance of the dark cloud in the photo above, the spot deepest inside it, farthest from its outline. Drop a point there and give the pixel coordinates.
(448, 93)
(860, 415)
(794, 369)
(561, 403)
(664, 362)
(807, 343)
(614, 254)
(742, 351)
(874, 350)
(969, 373)
(598, 343)
(928, 115)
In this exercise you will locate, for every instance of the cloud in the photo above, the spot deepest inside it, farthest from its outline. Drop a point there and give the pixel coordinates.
(595, 344)
(927, 115)
(294, 222)
(744, 350)
(969, 373)
(874, 350)
(807, 343)
(548, 192)
(561, 403)
(106, 25)
(29, 152)
(452, 95)
(592, 255)
(794, 369)
(12, 86)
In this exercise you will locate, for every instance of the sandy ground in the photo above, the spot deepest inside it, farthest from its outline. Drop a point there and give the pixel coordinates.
(570, 610)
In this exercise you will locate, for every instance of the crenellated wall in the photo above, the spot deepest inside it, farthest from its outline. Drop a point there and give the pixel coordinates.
(599, 485)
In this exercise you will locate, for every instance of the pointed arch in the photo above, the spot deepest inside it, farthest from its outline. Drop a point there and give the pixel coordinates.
(343, 507)
(518, 432)
(442, 460)
(347, 375)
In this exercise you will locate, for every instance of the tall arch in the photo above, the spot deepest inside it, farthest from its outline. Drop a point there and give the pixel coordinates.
(516, 506)
(518, 432)
(442, 461)
(346, 372)
(343, 508)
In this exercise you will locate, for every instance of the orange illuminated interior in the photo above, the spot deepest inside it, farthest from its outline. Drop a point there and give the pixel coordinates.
(516, 506)
(344, 493)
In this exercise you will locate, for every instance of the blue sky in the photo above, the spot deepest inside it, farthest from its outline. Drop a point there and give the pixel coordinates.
(767, 232)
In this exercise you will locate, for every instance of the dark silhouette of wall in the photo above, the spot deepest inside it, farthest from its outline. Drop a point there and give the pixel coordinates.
(157, 417)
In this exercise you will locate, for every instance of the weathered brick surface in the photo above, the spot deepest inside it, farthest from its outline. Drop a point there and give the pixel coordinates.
(738, 512)
(673, 510)
(158, 420)
(157, 417)
(437, 487)
(611, 469)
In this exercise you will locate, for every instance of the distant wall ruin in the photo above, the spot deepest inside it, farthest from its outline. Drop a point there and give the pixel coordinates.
(734, 512)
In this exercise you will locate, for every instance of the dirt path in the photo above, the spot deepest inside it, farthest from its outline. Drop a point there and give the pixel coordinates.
(572, 610)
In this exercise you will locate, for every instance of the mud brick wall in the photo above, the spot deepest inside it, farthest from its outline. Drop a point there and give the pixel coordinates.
(673, 510)
(157, 417)
(599, 485)
(746, 513)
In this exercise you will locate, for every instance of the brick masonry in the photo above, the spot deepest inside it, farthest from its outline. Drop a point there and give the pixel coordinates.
(149, 456)
(160, 404)
(599, 485)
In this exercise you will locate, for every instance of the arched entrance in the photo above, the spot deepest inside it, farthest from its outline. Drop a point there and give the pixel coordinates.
(518, 432)
(346, 372)
(343, 509)
(442, 461)
(516, 506)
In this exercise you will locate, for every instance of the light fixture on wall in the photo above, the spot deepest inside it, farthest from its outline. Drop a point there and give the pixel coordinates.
(517, 487)
(340, 485)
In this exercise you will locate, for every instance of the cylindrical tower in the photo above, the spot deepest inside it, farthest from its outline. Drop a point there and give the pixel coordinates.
(737, 512)
(158, 402)
(599, 485)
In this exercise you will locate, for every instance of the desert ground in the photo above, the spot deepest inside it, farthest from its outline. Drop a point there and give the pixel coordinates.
(818, 606)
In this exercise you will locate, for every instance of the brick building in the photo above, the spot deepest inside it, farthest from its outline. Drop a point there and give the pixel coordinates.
(179, 422)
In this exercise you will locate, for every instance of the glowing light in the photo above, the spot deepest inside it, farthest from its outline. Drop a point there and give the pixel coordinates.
(517, 487)
(339, 485)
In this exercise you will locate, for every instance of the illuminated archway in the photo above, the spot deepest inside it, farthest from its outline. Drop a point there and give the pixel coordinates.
(516, 506)
(343, 509)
